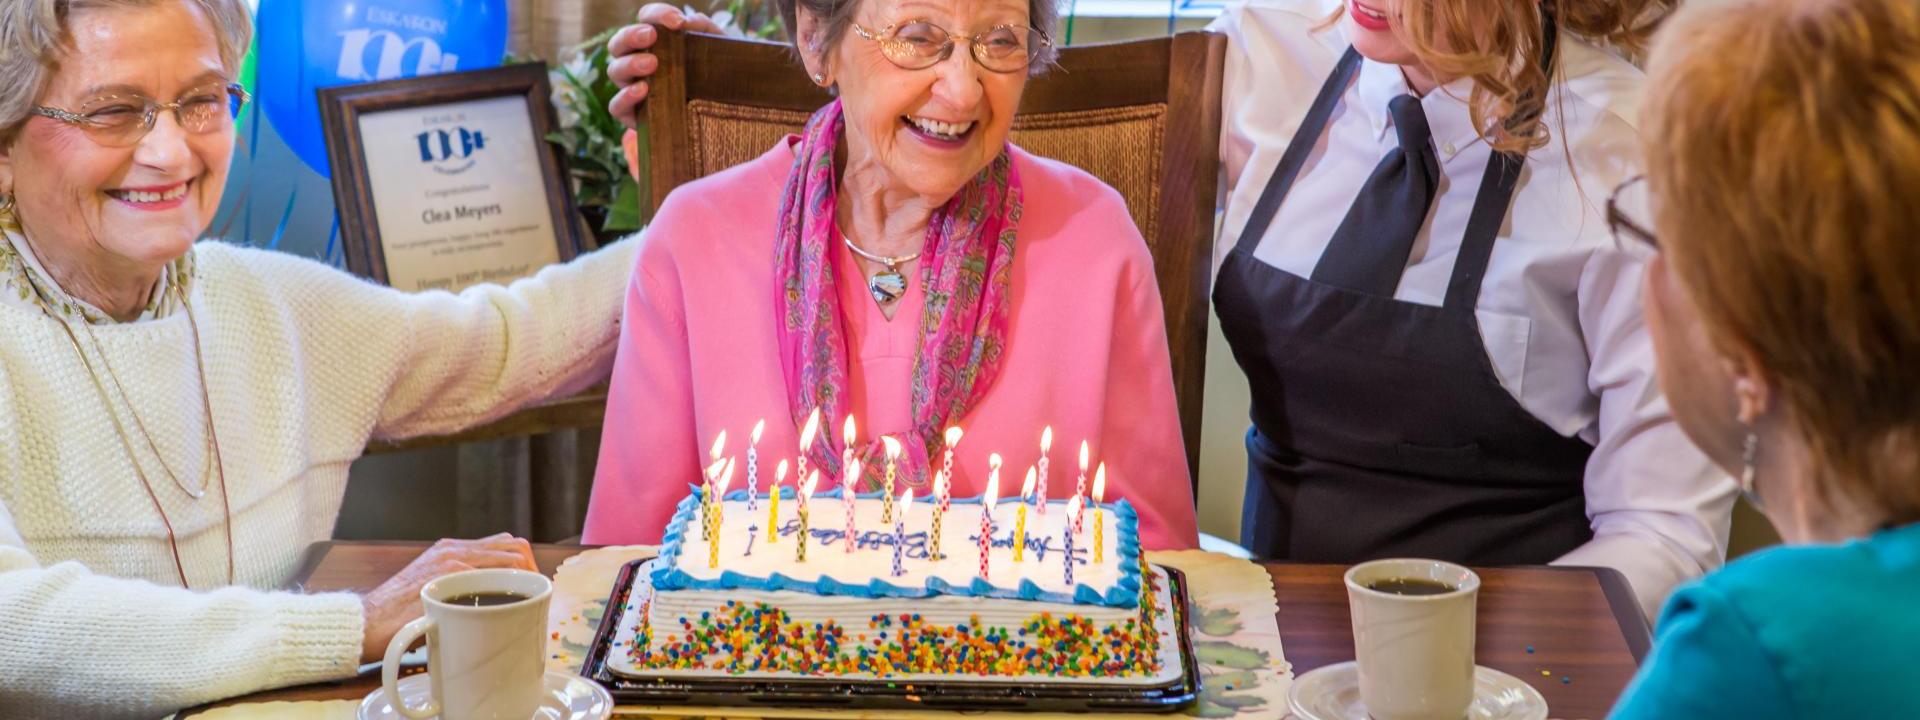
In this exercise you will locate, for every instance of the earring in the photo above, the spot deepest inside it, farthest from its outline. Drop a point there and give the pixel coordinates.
(820, 79)
(1749, 454)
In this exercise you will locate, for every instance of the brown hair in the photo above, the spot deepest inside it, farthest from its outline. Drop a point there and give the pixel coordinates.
(836, 17)
(1783, 143)
(1500, 44)
(34, 39)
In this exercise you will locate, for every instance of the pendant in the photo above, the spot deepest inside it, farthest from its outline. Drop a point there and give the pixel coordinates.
(887, 286)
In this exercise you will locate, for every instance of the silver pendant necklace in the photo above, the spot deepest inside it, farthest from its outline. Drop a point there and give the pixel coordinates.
(886, 286)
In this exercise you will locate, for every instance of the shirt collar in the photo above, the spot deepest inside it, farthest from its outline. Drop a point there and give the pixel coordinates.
(1448, 116)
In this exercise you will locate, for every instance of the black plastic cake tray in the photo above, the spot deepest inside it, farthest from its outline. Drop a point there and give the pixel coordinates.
(1024, 695)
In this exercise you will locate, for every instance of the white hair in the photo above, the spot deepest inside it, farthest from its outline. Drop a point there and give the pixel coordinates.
(34, 40)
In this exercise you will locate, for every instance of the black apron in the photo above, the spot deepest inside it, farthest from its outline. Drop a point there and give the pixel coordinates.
(1380, 427)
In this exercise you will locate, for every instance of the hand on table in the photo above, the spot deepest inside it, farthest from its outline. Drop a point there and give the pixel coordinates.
(631, 64)
(396, 602)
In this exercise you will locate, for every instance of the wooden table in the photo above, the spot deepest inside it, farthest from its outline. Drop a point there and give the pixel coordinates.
(1581, 623)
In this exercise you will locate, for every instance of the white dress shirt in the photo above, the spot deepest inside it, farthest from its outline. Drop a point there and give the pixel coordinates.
(1559, 309)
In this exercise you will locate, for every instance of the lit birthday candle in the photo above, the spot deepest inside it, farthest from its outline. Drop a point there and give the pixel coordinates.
(993, 477)
(1080, 487)
(847, 481)
(1020, 523)
(900, 532)
(942, 495)
(706, 494)
(807, 434)
(946, 464)
(847, 436)
(1073, 521)
(886, 491)
(715, 515)
(773, 503)
(806, 493)
(753, 465)
(1099, 518)
(1046, 443)
(986, 513)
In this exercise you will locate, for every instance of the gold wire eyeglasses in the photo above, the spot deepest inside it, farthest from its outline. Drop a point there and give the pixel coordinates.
(122, 120)
(918, 45)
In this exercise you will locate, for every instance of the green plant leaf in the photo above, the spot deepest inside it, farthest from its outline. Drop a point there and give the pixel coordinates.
(1227, 654)
(623, 214)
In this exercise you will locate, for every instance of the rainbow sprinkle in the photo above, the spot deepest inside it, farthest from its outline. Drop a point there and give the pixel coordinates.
(742, 638)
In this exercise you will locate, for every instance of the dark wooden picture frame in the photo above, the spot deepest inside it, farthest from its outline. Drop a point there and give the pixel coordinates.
(341, 109)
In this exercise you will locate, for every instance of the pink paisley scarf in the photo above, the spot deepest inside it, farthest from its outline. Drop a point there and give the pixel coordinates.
(965, 268)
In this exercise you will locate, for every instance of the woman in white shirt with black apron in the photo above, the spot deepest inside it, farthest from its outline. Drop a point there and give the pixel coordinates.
(1445, 350)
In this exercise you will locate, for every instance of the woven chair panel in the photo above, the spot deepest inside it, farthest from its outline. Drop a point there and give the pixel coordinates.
(1109, 143)
(725, 135)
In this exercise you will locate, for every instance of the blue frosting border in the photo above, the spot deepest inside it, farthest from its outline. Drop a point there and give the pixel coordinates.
(1125, 592)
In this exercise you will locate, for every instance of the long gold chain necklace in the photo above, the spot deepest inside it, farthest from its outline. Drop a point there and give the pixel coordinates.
(126, 443)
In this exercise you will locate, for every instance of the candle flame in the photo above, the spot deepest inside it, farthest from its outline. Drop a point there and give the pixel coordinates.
(719, 446)
(848, 433)
(953, 436)
(1046, 439)
(993, 462)
(939, 482)
(853, 474)
(714, 470)
(757, 427)
(806, 490)
(726, 476)
(893, 447)
(812, 428)
(1083, 456)
(906, 503)
(779, 473)
(1073, 509)
(1100, 483)
(1026, 488)
(993, 491)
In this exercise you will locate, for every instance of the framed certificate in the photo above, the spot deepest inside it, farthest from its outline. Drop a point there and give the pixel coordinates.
(447, 181)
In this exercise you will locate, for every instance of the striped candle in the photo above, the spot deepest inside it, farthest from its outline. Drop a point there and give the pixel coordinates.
(1046, 444)
(1073, 520)
(941, 495)
(773, 503)
(846, 495)
(986, 514)
(806, 493)
(753, 466)
(1080, 487)
(1099, 518)
(900, 532)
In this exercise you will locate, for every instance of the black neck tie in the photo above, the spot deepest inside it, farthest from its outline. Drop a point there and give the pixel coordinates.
(1370, 248)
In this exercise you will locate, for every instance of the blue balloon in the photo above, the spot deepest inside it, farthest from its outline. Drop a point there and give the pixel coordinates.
(306, 45)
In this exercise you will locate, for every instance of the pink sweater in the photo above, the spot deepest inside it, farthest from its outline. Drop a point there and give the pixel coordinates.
(1086, 353)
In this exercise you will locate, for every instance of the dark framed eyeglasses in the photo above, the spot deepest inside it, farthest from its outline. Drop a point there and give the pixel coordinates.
(918, 45)
(1629, 214)
(122, 120)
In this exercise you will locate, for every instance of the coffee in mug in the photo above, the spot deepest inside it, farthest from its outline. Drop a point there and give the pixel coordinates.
(1413, 637)
(486, 646)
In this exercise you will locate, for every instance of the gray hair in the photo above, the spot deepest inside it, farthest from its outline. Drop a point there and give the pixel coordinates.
(836, 18)
(34, 39)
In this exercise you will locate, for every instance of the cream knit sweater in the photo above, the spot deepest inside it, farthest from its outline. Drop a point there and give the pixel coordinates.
(304, 364)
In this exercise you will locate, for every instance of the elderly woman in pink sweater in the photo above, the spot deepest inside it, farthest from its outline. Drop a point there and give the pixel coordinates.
(903, 263)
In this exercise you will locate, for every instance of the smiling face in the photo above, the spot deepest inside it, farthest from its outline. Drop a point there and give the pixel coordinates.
(925, 132)
(1371, 25)
(137, 206)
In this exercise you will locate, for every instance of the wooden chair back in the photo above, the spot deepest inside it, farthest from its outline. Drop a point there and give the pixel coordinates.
(1143, 116)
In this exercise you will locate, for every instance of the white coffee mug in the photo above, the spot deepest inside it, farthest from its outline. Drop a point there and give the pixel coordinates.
(1414, 652)
(485, 662)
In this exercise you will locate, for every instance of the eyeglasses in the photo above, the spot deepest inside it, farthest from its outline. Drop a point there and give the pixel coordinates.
(919, 45)
(1629, 215)
(123, 120)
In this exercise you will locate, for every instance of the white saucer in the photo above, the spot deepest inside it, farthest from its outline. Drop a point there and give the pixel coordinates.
(1333, 693)
(569, 697)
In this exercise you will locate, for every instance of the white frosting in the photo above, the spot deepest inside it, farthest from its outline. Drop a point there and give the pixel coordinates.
(745, 550)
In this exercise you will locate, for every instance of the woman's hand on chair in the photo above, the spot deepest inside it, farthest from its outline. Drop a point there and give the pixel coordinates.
(396, 602)
(632, 64)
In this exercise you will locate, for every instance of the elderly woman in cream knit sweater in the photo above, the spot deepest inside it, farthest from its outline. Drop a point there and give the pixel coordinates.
(177, 420)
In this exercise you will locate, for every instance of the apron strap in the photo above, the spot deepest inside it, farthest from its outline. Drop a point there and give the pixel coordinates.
(1491, 204)
(1311, 128)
